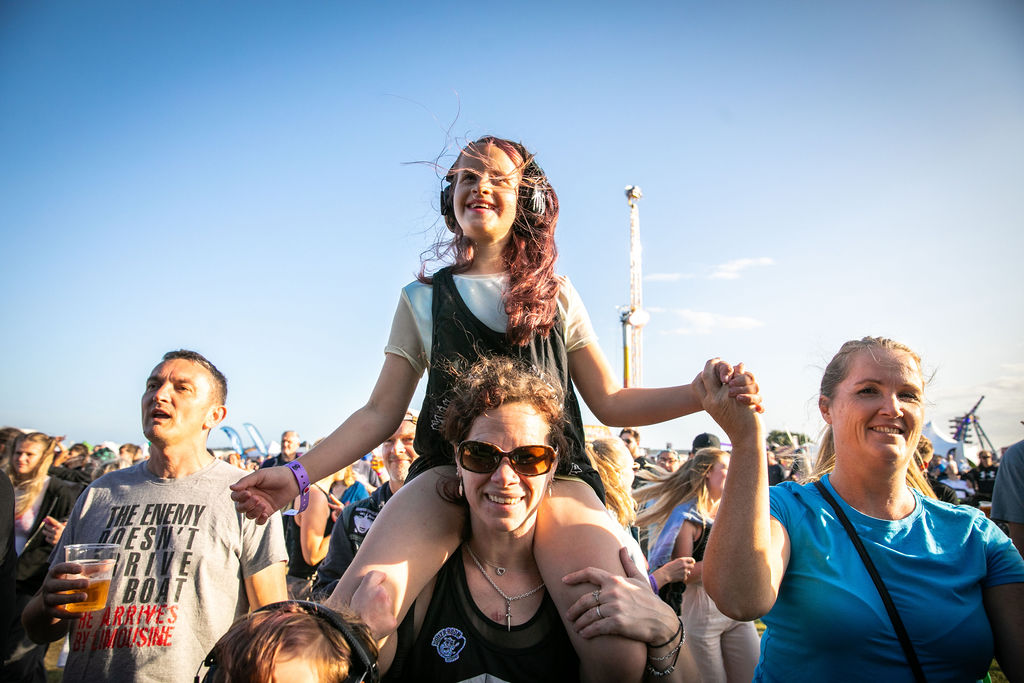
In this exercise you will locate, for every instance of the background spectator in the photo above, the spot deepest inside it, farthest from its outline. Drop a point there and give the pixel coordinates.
(776, 475)
(1008, 494)
(923, 459)
(668, 460)
(130, 453)
(42, 506)
(356, 519)
(8, 435)
(308, 545)
(983, 477)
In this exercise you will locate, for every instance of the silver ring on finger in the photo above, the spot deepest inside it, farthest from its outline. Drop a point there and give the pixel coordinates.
(597, 596)
(599, 615)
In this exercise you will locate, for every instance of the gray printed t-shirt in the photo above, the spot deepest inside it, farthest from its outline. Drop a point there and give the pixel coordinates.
(177, 586)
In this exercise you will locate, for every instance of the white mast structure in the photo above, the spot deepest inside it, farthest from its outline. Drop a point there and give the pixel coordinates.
(635, 317)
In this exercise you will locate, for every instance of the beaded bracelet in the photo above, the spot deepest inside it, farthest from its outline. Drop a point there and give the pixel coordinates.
(654, 582)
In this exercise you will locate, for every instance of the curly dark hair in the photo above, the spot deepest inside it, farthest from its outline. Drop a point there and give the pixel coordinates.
(491, 382)
(494, 381)
(531, 300)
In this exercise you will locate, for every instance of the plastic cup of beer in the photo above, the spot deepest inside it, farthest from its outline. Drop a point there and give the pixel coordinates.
(97, 560)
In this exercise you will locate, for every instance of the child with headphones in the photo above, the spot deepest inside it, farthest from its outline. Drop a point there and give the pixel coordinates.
(500, 295)
(293, 641)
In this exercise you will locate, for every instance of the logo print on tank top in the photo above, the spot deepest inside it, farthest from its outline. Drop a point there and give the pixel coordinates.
(449, 643)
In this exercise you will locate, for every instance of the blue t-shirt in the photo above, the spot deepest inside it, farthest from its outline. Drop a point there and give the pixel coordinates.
(829, 621)
(354, 493)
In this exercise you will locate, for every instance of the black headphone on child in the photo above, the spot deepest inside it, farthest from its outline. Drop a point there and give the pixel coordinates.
(363, 665)
(533, 190)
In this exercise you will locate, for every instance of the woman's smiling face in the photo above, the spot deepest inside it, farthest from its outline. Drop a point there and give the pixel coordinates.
(486, 190)
(505, 501)
(877, 411)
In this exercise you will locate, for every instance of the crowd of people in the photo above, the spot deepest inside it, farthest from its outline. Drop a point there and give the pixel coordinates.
(492, 540)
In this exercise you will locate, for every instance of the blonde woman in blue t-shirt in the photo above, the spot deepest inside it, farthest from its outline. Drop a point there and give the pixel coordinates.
(785, 555)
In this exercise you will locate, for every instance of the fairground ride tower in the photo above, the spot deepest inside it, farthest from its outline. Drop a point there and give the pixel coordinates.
(634, 317)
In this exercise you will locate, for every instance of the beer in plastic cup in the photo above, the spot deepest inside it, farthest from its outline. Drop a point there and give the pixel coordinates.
(97, 560)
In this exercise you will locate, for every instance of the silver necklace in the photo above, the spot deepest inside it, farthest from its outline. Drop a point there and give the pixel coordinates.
(508, 599)
(499, 570)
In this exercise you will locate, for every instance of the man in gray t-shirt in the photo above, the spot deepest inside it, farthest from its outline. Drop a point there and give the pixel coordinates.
(1008, 496)
(188, 562)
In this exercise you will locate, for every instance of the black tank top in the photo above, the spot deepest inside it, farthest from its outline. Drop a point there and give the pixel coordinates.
(457, 641)
(459, 338)
(702, 542)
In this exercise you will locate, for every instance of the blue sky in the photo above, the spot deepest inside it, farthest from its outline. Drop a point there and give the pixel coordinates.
(236, 178)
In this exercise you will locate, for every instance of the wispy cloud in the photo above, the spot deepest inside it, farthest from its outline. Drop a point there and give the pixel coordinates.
(668, 277)
(1011, 384)
(731, 270)
(704, 322)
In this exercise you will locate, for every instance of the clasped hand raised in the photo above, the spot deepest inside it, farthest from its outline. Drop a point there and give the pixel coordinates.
(731, 396)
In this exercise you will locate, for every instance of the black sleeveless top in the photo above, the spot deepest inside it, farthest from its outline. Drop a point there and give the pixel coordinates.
(702, 542)
(672, 593)
(458, 642)
(459, 339)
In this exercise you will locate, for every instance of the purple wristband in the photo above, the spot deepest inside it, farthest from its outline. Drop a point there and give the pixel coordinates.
(654, 584)
(303, 480)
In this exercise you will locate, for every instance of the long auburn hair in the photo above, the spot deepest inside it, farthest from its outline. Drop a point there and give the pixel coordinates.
(27, 487)
(531, 300)
(687, 483)
(835, 373)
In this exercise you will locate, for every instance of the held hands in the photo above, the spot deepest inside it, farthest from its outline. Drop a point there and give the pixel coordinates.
(264, 492)
(620, 606)
(741, 383)
(731, 397)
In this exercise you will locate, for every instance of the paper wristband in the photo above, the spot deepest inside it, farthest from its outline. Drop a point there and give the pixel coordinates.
(303, 480)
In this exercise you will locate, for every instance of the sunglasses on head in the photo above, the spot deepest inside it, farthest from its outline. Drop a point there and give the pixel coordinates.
(484, 458)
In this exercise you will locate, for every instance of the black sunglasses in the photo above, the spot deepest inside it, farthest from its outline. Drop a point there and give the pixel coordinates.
(484, 458)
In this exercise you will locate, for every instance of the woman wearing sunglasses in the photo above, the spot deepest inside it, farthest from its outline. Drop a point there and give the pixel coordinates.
(487, 612)
(499, 295)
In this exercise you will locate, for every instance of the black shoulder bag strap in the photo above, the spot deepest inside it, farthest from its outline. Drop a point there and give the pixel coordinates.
(894, 616)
